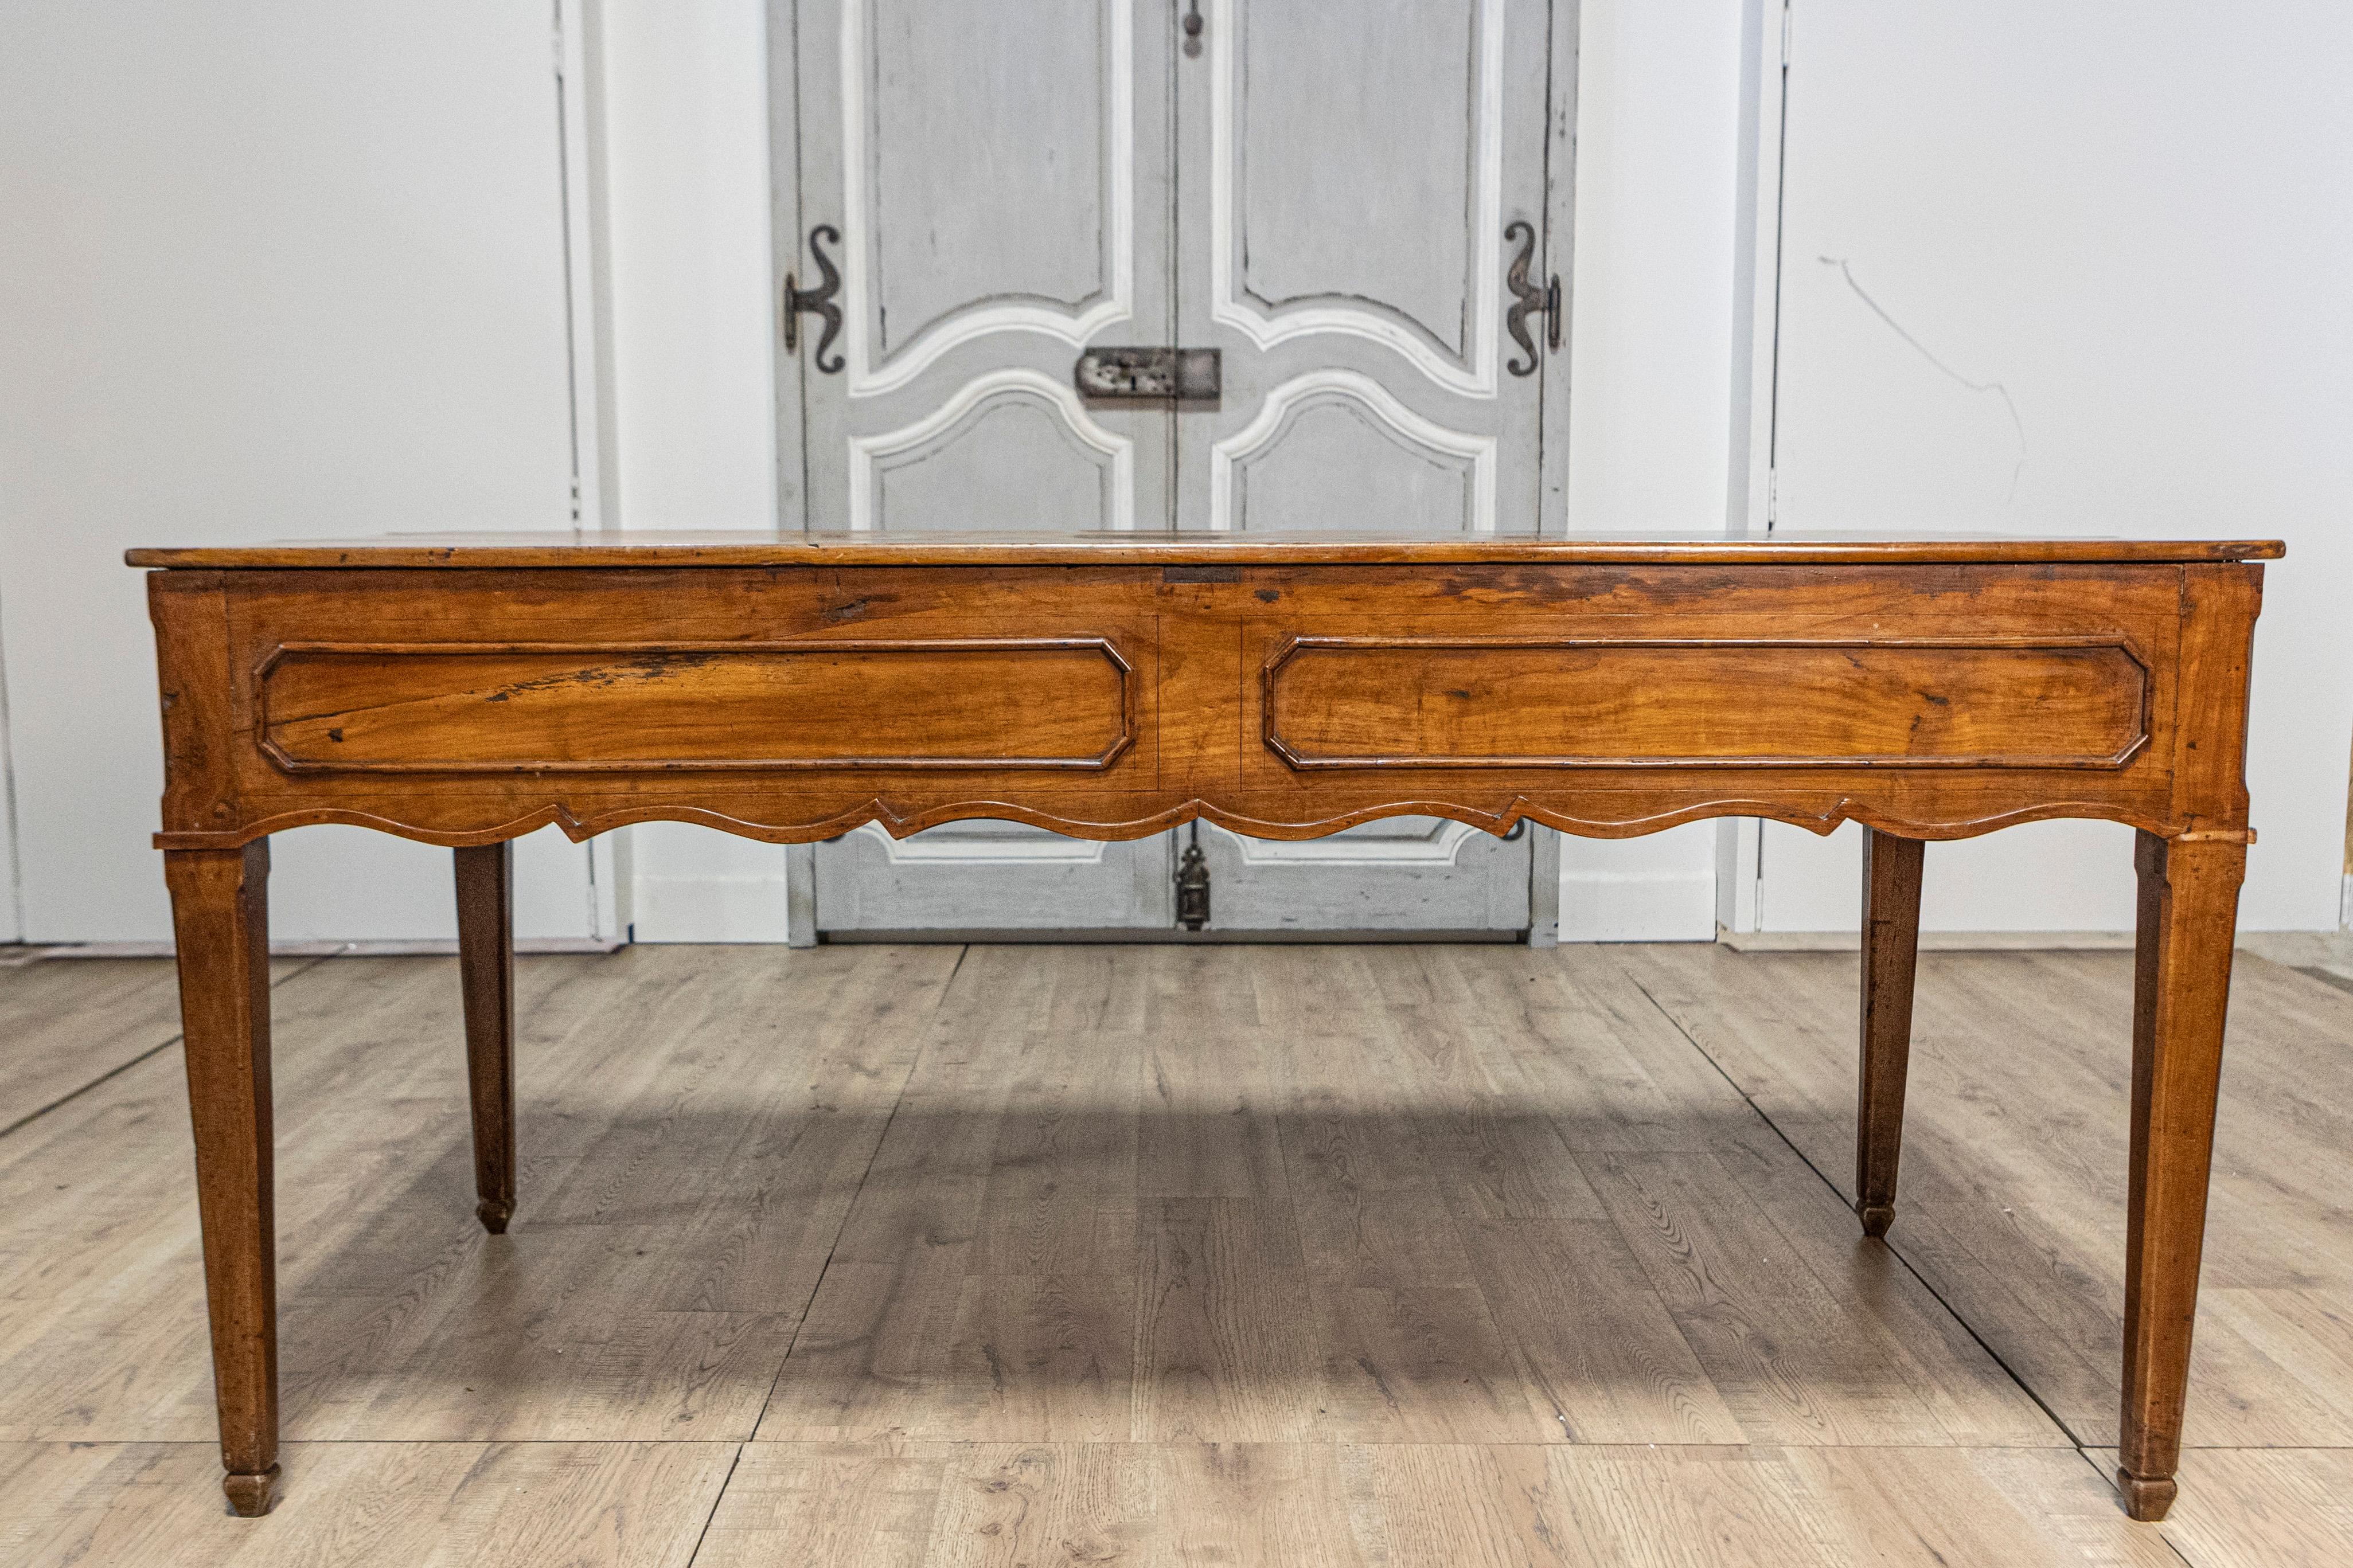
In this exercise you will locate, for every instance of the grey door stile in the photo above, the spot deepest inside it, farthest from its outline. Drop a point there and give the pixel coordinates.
(999, 177)
(1343, 244)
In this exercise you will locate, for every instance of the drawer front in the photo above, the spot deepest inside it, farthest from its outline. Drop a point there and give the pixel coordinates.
(1434, 702)
(941, 703)
(790, 704)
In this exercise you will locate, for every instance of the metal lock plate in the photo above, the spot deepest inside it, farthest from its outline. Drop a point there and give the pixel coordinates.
(1130, 374)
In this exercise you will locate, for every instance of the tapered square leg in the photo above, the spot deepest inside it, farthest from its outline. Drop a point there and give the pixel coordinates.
(486, 974)
(221, 919)
(1891, 951)
(2181, 988)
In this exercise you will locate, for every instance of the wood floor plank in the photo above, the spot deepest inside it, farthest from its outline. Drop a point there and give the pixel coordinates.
(1414, 1505)
(401, 1318)
(1974, 1399)
(1252, 1505)
(815, 1503)
(68, 1022)
(364, 1505)
(1210, 1095)
(1311, 1272)
(2261, 1508)
(1794, 1359)
(1421, 1365)
(983, 1282)
(1225, 1348)
(2013, 1186)
(65, 1023)
(1598, 1348)
(2033, 1508)
(932, 1505)
(1354, 1255)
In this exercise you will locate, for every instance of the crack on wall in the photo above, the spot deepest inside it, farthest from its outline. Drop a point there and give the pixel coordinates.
(1846, 271)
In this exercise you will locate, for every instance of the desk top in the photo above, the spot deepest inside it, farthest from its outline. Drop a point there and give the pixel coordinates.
(751, 548)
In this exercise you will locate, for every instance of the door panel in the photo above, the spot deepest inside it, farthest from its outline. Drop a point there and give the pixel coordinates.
(1401, 873)
(999, 177)
(990, 170)
(995, 174)
(1009, 444)
(995, 875)
(1322, 218)
(1335, 447)
(1353, 277)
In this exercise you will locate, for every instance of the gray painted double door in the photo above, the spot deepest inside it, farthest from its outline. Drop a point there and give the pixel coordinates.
(1320, 189)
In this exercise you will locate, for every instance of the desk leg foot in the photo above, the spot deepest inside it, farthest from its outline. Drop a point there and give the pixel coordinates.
(2146, 1501)
(2181, 985)
(486, 974)
(1890, 951)
(220, 923)
(250, 1497)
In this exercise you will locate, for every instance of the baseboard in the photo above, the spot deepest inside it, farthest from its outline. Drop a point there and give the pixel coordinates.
(419, 949)
(1931, 941)
(1163, 936)
(2296, 949)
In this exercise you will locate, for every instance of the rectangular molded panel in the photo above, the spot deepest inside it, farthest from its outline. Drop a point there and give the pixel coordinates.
(1355, 702)
(532, 707)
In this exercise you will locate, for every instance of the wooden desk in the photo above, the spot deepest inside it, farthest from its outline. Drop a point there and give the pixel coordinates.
(465, 691)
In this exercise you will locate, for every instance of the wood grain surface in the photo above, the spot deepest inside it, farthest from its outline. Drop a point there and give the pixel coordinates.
(474, 707)
(706, 1126)
(1931, 700)
(746, 548)
(1338, 702)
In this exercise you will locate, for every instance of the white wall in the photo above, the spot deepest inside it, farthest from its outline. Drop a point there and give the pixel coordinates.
(266, 269)
(2139, 225)
(686, 122)
(1652, 343)
(274, 269)
(686, 114)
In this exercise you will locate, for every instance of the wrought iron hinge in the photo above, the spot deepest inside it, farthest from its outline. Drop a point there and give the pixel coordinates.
(816, 301)
(1528, 300)
(1193, 885)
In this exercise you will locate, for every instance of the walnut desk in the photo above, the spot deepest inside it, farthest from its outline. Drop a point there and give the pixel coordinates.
(466, 690)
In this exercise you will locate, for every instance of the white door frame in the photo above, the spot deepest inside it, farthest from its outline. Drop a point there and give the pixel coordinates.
(588, 308)
(12, 897)
(1749, 498)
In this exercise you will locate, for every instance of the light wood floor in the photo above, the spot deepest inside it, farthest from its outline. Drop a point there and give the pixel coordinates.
(1382, 1256)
